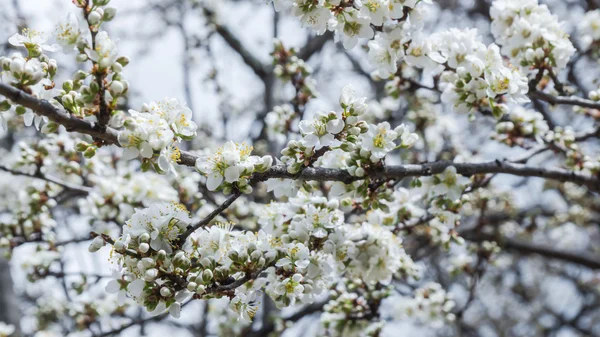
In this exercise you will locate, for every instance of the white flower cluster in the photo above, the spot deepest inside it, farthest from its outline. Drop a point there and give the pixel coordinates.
(114, 197)
(24, 72)
(154, 133)
(474, 75)
(157, 269)
(374, 254)
(479, 78)
(367, 143)
(33, 74)
(233, 163)
(31, 209)
(349, 20)
(430, 304)
(353, 308)
(522, 123)
(278, 122)
(530, 35)
(6, 330)
(589, 30)
(302, 246)
(447, 184)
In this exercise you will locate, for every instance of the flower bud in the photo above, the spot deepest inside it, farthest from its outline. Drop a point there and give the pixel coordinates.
(109, 13)
(81, 58)
(94, 17)
(116, 88)
(192, 286)
(207, 276)
(96, 244)
(145, 237)
(81, 146)
(148, 262)
(162, 255)
(151, 274)
(123, 60)
(256, 255)
(206, 262)
(165, 292)
(144, 247)
(90, 152)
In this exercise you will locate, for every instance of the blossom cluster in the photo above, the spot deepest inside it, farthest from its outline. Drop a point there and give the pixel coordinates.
(33, 73)
(233, 163)
(302, 245)
(350, 21)
(530, 35)
(366, 143)
(352, 308)
(589, 30)
(431, 304)
(479, 77)
(155, 132)
(522, 124)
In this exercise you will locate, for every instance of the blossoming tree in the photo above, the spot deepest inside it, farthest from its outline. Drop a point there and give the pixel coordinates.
(355, 218)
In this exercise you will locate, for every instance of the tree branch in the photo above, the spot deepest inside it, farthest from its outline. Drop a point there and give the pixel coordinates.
(43, 107)
(521, 246)
(55, 114)
(81, 190)
(564, 100)
(314, 45)
(209, 217)
(252, 61)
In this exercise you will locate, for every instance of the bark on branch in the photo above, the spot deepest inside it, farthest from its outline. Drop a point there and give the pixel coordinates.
(398, 172)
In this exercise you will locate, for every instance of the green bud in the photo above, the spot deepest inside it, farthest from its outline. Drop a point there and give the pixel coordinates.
(123, 60)
(94, 87)
(109, 13)
(67, 85)
(207, 275)
(146, 165)
(81, 58)
(50, 127)
(90, 152)
(79, 75)
(20, 110)
(4, 106)
(192, 286)
(161, 256)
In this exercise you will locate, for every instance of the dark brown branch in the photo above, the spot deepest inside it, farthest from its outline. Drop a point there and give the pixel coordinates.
(565, 100)
(314, 45)
(521, 246)
(249, 59)
(81, 190)
(192, 228)
(55, 114)
(319, 174)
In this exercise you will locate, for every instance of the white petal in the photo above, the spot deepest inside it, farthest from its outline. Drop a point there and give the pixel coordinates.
(213, 181)
(136, 287)
(232, 174)
(146, 150)
(335, 126)
(112, 287)
(175, 310)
